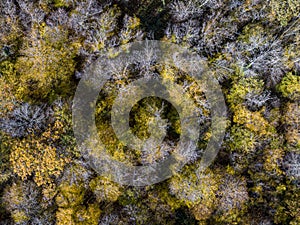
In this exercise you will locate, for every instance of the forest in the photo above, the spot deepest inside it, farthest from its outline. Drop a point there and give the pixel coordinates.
(250, 47)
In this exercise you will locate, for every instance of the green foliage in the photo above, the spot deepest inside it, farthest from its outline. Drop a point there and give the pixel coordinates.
(288, 211)
(285, 10)
(252, 48)
(7, 100)
(242, 139)
(61, 3)
(70, 195)
(290, 86)
(241, 88)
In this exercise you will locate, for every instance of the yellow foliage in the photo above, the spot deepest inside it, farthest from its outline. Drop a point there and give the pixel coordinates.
(19, 216)
(38, 156)
(241, 88)
(78, 216)
(254, 121)
(195, 189)
(88, 215)
(105, 189)
(272, 162)
(46, 65)
(202, 211)
(69, 195)
(64, 216)
(292, 122)
(71, 209)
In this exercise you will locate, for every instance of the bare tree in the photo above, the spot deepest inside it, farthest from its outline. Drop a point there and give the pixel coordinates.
(233, 192)
(25, 119)
(184, 10)
(292, 165)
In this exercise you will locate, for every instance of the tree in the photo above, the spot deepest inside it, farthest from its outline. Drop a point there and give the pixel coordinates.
(292, 165)
(285, 10)
(22, 200)
(290, 86)
(291, 123)
(26, 119)
(43, 156)
(46, 65)
(104, 189)
(197, 190)
(72, 210)
(233, 196)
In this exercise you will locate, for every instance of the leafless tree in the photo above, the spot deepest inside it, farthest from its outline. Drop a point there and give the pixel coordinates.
(233, 192)
(58, 17)
(184, 10)
(30, 13)
(25, 119)
(292, 165)
(23, 197)
(109, 219)
(254, 101)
